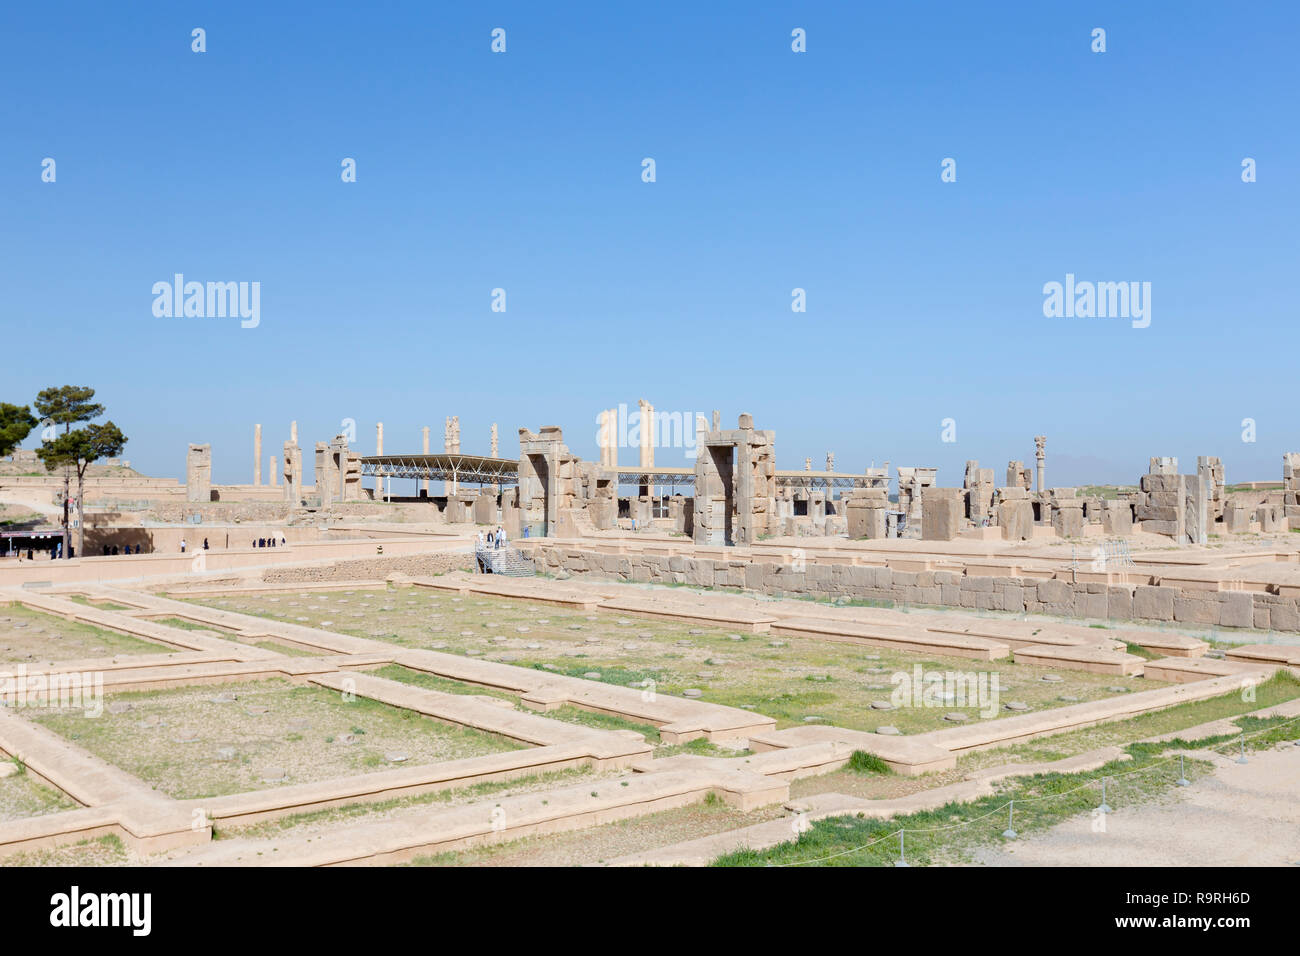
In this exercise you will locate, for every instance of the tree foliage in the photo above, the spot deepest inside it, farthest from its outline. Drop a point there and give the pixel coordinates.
(16, 423)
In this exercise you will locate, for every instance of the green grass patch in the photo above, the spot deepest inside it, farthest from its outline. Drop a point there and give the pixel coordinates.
(863, 762)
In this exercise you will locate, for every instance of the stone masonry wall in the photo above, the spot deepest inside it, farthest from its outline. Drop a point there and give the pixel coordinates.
(365, 569)
(1094, 601)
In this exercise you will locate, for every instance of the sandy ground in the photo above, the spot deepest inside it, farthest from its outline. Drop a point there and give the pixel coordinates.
(1241, 815)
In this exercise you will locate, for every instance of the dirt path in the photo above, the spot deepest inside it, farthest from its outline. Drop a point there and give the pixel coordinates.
(1241, 815)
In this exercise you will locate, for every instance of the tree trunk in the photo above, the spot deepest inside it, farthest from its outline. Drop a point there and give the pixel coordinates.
(81, 512)
(66, 488)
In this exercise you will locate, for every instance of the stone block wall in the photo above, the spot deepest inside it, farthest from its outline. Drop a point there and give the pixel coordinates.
(367, 569)
(1094, 601)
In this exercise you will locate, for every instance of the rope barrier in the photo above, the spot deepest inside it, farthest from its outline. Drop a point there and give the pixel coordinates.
(1237, 741)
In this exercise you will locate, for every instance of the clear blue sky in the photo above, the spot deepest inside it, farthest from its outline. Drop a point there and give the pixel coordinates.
(775, 170)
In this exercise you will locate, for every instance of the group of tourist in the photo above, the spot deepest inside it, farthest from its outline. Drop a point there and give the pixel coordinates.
(270, 542)
(491, 541)
(126, 549)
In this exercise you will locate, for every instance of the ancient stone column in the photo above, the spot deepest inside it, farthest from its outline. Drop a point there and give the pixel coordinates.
(257, 455)
(273, 480)
(495, 446)
(830, 461)
(293, 432)
(1040, 452)
(379, 471)
(424, 485)
(613, 437)
(450, 444)
(807, 464)
(646, 433)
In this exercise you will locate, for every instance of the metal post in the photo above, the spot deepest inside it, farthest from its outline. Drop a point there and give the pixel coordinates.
(902, 849)
(1182, 777)
(1010, 831)
(1105, 807)
(1242, 758)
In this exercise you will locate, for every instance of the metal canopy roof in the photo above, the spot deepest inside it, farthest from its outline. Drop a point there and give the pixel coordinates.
(453, 467)
(482, 469)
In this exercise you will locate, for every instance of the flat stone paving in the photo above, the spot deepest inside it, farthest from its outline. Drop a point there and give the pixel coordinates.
(221, 739)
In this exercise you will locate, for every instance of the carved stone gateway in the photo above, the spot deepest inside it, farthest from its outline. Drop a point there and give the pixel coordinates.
(735, 484)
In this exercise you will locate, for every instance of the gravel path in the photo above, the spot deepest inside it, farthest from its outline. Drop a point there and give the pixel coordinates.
(1241, 815)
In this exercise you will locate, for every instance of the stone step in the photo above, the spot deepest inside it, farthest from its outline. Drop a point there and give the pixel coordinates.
(1288, 654)
(1083, 657)
(1184, 670)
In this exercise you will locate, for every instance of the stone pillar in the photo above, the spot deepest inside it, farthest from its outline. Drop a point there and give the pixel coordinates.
(272, 475)
(424, 484)
(292, 473)
(1040, 452)
(830, 461)
(613, 438)
(293, 432)
(451, 445)
(602, 436)
(646, 433)
(326, 474)
(379, 471)
(257, 455)
(495, 446)
(198, 473)
(807, 464)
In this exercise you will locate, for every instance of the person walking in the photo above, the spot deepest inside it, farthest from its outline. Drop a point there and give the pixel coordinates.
(205, 544)
(182, 545)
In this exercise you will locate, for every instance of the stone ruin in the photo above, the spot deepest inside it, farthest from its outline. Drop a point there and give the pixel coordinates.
(292, 473)
(735, 484)
(198, 473)
(338, 472)
(1291, 488)
(979, 492)
(1173, 504)
(1018, 476)
(911, 483)
(1211, 472)
(558, 493)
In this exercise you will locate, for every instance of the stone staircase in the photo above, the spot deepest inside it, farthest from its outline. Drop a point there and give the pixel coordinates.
(509, 562)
